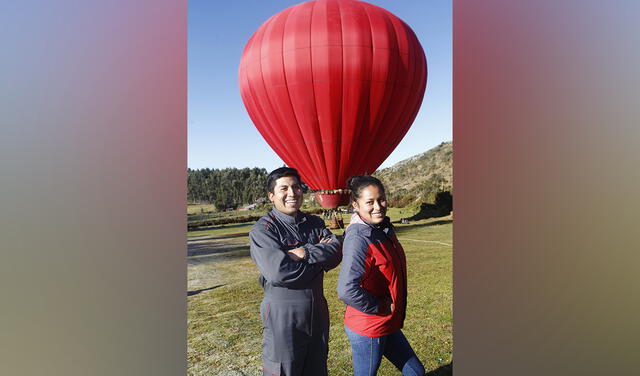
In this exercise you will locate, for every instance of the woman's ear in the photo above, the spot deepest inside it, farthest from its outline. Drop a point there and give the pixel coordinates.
(354, 204)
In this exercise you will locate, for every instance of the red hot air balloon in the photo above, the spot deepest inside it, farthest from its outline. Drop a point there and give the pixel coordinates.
(333, 86)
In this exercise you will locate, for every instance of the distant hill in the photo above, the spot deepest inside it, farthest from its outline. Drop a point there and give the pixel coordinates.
(414, 180)
(420, 177)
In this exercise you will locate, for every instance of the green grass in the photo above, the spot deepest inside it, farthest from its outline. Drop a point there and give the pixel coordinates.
(197, 209)
(200, 212)
(224, 328)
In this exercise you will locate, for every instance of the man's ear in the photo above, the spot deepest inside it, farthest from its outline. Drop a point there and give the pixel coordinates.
(271, 196)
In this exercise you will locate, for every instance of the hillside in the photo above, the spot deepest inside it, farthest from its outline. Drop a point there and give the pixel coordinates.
(420, 177)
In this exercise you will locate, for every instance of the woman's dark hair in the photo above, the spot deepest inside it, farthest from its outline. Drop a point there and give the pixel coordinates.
(359, 182)
(278, 173)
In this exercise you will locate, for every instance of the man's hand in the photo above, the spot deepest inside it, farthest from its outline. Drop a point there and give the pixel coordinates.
(297, 254)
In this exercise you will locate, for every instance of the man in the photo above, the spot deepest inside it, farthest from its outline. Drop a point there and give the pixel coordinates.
(293, 250)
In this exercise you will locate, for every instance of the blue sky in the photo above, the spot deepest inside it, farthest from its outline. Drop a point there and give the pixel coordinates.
(220, 132)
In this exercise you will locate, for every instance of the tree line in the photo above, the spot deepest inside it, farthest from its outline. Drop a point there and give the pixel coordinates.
(226, 188)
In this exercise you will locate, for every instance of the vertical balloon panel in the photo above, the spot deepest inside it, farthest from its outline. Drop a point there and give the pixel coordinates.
(298, 73)
(326, 51)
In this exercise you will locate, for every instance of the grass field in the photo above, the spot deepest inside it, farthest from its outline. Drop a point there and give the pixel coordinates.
(197, 212)
(224, 328)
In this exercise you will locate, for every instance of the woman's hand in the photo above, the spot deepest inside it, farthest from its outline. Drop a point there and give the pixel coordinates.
(387, 306)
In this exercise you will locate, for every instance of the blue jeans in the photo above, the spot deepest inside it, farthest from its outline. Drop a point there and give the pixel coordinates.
(367, 352)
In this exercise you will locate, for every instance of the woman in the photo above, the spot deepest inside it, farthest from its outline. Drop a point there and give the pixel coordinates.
(373, 284)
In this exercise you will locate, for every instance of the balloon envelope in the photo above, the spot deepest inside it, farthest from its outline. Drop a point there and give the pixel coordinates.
(333, 86)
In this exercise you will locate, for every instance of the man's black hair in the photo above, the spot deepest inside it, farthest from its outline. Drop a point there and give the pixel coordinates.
(278, 173)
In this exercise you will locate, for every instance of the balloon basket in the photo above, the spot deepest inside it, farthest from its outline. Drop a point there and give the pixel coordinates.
(333, 200)
(335, 219)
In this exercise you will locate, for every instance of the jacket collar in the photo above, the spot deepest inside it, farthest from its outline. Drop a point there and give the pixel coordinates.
(300, 217)
(384, 225)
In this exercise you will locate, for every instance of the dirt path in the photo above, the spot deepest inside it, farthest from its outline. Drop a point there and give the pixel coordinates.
(211, 261)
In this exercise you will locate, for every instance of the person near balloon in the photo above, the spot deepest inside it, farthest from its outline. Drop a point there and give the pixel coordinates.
(293, 250)
(373, 284)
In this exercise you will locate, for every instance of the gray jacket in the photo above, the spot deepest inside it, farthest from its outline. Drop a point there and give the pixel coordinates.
(293, 290)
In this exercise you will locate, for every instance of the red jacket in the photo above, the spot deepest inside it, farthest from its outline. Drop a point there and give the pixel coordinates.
(373, 267)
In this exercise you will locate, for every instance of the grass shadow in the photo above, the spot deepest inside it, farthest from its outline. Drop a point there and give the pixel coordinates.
(230, 236)
(211, 249)
(236, 253)
(194, 292)
(401, 229)
(445, 370)
(218, 227)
